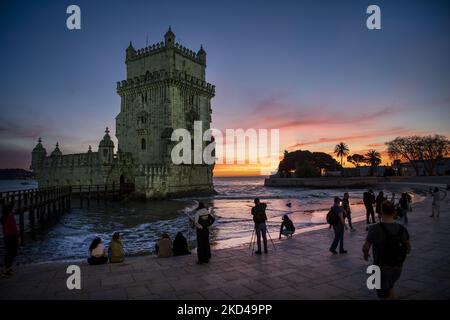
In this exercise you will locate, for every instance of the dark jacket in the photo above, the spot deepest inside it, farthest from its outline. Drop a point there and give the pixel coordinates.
(259, 213)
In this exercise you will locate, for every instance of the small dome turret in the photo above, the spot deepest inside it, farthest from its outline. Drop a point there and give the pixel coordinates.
(39, 148)
(106, 141)
(56, 152)
(169, 38)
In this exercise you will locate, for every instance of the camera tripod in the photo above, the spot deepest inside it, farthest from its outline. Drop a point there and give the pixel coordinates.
(254, 237)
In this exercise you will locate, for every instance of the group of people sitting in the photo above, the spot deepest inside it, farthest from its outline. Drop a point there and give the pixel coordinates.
(164, 248)
(98, 255)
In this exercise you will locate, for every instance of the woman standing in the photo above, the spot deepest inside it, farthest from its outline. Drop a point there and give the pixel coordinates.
(203, 220)
(347, 210)
(11, 238)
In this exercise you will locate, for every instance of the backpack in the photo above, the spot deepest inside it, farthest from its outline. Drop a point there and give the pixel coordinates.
(333, 217)
(394, 250)
(259, 213)
(206, 222)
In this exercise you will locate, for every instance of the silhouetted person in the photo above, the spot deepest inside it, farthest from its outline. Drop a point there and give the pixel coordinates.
(97, 252)
(369, 200)
(379, 201)
(390, 245)
(287, 227)
(436, 204)
(115, 250)
(347, 210)
(336, 219)
(180, 245)
(203, 220)
(10, 237)
(260, 218)
(164, 246)
(404, 204)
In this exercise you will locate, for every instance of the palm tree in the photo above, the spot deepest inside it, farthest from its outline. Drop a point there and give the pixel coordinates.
(373, 158)
(341, 150)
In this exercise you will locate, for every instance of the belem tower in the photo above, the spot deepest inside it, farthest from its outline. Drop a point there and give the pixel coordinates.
(165, 89)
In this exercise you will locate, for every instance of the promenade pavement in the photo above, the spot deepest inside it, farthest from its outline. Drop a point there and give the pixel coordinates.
(300, 268)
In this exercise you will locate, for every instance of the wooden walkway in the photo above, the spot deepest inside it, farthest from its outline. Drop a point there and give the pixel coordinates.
(45, 204)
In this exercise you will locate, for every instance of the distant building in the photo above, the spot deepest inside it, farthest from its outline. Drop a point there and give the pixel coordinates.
(165, 89)
(364, 171)
(406, 168)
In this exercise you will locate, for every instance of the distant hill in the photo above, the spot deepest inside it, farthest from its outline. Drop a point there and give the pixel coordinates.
(15, 174)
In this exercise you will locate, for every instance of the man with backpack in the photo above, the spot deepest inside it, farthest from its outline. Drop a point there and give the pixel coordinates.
(390, 245)
(260, 218)
(335, 218)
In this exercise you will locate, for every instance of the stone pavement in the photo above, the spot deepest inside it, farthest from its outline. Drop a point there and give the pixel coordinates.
(301, 268)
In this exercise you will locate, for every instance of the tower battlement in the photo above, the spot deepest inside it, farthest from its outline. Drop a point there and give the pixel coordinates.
(164, 75)
(169, 55)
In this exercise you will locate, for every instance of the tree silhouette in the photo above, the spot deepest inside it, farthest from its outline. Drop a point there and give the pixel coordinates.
(373, 158)
(341, 150)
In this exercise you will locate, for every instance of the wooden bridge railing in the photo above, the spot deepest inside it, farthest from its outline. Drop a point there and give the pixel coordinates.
(42, 204)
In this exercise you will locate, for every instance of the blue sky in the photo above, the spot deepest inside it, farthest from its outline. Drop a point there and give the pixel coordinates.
(310, 68)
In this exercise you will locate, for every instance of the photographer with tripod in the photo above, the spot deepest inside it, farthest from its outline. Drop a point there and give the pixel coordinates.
(260, 218)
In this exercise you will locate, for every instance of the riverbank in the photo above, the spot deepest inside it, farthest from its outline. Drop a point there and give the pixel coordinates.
(300, 268)
(353, 182)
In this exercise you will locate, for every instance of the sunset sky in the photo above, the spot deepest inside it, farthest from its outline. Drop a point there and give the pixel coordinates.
(309, 68)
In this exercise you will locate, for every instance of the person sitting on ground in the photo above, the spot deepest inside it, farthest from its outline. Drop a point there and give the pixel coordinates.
(180, 245)
(115, 251)
(390, 245)
(287, 227)
(164, 246)
(97, 252)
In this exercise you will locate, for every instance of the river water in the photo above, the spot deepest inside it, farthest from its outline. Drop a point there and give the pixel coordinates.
(142, 223)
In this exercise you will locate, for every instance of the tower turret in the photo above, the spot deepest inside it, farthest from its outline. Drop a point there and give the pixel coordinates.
(169, 38)
(201, 54)
(56, 152)
(130, 52)
(37, 156)
(106, 148)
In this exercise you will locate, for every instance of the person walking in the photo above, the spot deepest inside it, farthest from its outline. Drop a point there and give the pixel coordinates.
(390, 245)
(11, 238)
(259, 219)
(335, 217)
(379, 201)
(347, 210)
(436, 204)
(203, 220)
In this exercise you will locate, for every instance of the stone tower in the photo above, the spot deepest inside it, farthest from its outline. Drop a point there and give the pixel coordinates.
(165, 90)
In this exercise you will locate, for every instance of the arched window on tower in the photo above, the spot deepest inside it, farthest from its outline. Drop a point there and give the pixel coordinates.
(143, 144)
